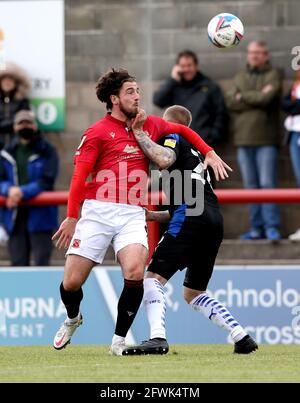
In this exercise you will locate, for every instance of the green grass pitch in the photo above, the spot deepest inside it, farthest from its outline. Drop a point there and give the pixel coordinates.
(184, 363)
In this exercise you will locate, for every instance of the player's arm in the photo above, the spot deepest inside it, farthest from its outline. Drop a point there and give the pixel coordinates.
(76, 195)
(158, 216)
(86, 155)
(163, 157)
(211, 158)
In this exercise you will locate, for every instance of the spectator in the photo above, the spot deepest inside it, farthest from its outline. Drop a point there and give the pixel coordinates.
(188, 87)
(291, 105)
(14, 88)
(254, 102)
(28, 166)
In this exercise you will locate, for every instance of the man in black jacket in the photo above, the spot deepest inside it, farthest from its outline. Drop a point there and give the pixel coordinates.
(188, 87)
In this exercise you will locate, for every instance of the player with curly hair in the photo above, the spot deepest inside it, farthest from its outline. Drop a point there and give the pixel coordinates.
(112, 210)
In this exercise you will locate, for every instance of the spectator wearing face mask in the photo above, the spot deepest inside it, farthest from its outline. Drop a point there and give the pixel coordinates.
(28, 166)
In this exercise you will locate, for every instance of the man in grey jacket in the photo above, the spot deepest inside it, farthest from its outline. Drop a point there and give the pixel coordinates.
(254, 101)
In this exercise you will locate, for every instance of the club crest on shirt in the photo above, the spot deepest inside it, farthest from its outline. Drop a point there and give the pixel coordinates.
(76, 243)
(112, 134)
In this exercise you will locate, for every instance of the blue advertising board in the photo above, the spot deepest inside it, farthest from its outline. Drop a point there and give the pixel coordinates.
(264, 299)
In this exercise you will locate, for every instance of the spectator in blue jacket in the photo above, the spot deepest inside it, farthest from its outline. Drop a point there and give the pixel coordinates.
(28, 166)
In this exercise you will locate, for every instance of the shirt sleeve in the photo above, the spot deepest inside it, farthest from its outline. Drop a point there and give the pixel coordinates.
(77, 187)
(163, 127)
(89, 147)
(171, 141)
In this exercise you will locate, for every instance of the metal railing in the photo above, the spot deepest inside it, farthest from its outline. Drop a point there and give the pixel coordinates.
(225, 196)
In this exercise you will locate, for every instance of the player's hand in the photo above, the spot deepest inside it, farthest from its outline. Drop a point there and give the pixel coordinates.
(176, 73)
(219, 167)
(138, 121)
(65, 233)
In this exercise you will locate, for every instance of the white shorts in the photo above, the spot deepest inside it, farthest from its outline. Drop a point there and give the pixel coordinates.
(102, 223)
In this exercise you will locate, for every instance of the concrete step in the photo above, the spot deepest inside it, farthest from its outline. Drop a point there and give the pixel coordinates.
(235, 251)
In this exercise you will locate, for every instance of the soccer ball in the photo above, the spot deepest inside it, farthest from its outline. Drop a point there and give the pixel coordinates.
(225, 30)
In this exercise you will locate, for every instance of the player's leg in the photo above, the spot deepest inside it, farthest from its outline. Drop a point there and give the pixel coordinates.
(196, 280)
(213, 310)
(165, 262)
(155, 305)
(132, 259)
(77, 269)
(88, 246)
(131, 248)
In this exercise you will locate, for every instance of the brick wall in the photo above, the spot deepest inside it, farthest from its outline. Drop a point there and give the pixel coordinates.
(145, 36)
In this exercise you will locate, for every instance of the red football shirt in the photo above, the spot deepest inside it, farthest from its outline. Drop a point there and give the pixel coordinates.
(119, 166)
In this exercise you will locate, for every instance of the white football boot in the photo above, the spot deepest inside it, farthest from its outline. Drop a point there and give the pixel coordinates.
(117, 348)
(65, 332)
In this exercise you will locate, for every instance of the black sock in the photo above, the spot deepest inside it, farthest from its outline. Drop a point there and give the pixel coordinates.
(72, 300)
(129, 303)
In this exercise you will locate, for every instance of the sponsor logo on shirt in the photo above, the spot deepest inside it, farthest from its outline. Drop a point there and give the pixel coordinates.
(131, 149)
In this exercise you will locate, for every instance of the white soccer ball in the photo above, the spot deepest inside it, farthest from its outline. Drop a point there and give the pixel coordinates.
(225, 30)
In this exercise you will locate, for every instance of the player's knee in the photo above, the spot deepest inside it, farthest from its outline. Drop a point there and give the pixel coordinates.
(189, 294)
(72, 283)
(134, 273)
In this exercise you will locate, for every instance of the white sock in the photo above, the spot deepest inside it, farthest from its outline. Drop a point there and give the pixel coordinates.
(73, 320)
(118, 339)
(218, 314)
(155, 304)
